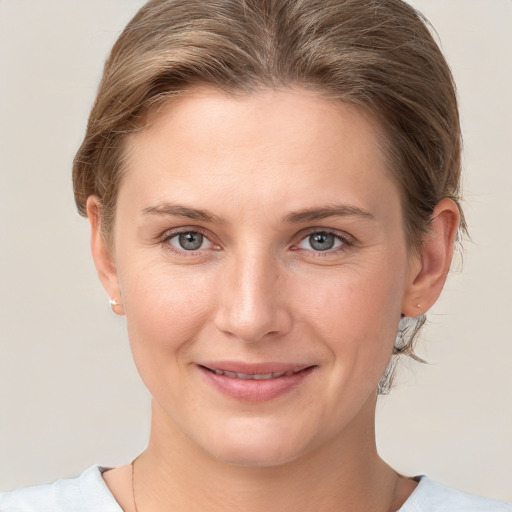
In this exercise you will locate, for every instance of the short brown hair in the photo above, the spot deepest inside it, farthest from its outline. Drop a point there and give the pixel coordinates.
(376, 54)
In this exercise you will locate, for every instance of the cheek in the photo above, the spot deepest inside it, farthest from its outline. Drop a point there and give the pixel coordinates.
(164, 309)
(355, 310)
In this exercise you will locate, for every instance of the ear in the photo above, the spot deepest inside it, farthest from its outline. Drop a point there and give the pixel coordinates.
(102, 256)
(430, 267)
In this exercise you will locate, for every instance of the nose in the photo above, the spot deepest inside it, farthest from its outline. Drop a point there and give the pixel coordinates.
(251, 303)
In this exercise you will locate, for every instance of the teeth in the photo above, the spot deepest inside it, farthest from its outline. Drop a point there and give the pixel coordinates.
(243, 376)
(256, 376)
(265, 376)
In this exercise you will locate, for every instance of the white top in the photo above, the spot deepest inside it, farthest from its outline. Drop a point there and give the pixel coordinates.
(89, 493)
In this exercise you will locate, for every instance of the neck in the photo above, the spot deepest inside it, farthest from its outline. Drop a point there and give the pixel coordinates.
(344, 474)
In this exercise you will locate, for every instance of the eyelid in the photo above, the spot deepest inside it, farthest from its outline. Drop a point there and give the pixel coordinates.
(343, 235)
(169, 234)
(346, 239)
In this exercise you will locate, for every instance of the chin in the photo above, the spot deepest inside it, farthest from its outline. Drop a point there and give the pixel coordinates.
(256, 443)
(254, 456)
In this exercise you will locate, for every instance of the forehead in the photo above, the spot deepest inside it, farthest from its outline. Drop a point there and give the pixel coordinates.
(270, 146)
(293, 115)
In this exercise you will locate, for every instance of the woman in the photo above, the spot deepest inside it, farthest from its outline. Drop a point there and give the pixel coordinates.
(273, 193)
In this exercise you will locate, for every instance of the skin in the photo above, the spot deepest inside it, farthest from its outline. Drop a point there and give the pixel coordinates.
(258, 291)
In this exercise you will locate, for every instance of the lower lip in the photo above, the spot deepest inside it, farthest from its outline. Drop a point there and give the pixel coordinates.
(252, 390)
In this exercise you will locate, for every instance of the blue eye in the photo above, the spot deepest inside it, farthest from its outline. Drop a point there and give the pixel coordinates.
(321, 241)
(189, 241)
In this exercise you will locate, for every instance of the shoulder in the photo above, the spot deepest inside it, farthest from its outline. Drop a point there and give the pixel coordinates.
(429, 496)
(81, 494)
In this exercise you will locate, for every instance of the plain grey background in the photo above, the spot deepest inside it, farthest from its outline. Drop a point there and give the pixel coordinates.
(69, 393)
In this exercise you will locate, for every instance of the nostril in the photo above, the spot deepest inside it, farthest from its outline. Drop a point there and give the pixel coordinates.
(252, 308)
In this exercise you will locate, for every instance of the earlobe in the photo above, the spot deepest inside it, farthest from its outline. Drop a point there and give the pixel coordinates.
(102, 255)
(430, 267)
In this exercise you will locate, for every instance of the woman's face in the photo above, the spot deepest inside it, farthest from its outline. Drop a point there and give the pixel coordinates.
(260, 236)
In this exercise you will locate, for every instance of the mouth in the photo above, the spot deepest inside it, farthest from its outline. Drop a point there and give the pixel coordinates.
(253, 376)
(255, 383)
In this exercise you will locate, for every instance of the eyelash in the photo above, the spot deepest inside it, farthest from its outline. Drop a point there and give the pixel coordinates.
(346, 242)
(169, 235)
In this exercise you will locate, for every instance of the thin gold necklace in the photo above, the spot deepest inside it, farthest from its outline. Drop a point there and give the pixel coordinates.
(133, 484)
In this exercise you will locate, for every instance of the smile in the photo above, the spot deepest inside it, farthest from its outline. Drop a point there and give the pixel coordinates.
(253, 376)
(254, 383)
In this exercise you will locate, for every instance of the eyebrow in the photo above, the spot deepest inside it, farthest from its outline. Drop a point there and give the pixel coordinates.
(183, 211)
(306, 215)
(312, 214)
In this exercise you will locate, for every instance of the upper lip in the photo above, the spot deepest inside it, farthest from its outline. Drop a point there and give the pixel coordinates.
(254, 368)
